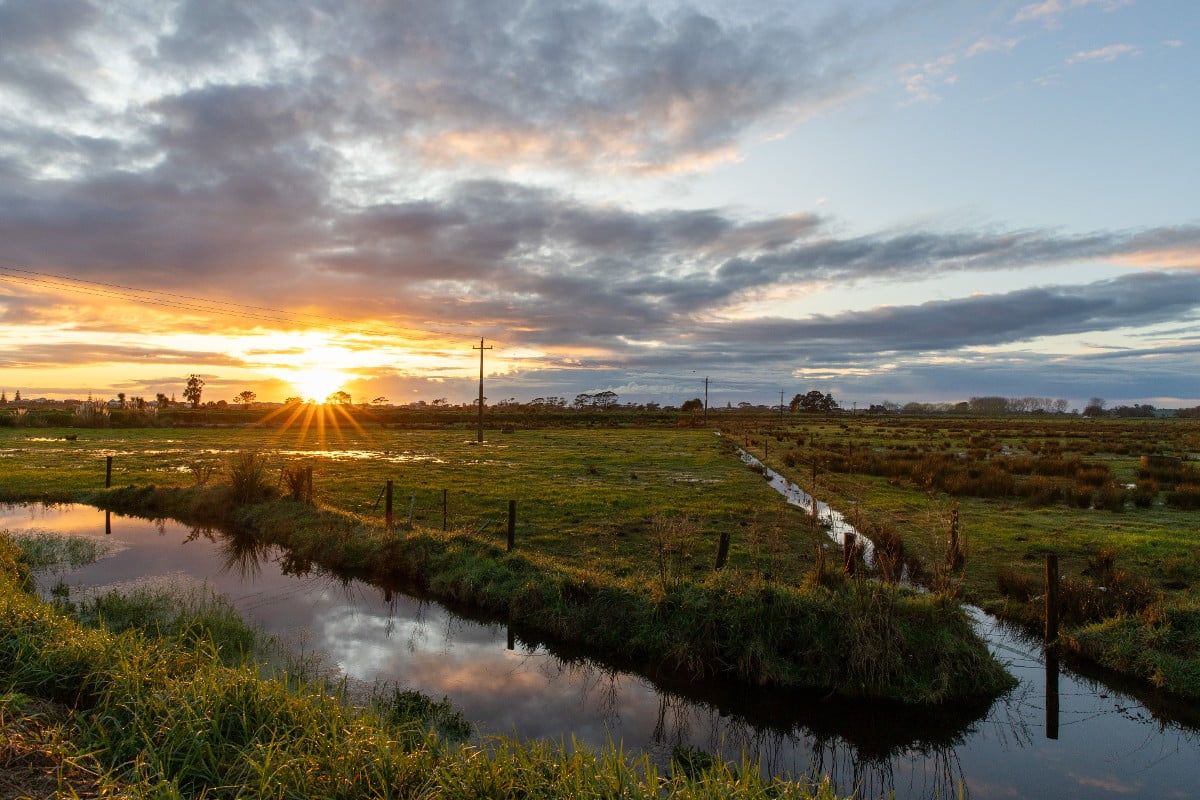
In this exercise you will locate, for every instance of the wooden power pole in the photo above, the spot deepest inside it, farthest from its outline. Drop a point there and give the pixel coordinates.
(481, 348)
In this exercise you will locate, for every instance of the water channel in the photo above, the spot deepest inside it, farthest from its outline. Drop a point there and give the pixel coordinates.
(1101, 742)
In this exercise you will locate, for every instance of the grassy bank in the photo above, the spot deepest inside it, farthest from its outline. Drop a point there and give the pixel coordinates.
(855, 637)
(1121, 525)
(93, 710)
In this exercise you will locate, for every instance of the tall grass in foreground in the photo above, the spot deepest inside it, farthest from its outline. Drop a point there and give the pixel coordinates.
(169, 720)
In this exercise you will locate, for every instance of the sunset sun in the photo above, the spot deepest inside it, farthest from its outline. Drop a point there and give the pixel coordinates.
(317, 384)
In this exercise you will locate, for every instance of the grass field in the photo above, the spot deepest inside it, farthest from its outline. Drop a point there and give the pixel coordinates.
(1125, 531)
(617, 534)
(591, 496)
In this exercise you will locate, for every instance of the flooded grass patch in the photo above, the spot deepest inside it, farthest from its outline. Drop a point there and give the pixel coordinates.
(1021, 488)
(47, 550)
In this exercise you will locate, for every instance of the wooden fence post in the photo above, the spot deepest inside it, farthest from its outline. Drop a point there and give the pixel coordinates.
(954, 555)
(512, 524)
(722, 550)
(1051, 599)
(107, 471)
(107, 523)
(391, 523)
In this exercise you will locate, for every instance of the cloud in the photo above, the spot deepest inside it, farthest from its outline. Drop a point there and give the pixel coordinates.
(990, 44)
(61, 355)
(1049, 10)
(1110, 53)
(1136, 300)
(581, 85)
(920, 80)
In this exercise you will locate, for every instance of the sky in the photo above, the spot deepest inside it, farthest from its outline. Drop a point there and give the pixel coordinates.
(881, 200)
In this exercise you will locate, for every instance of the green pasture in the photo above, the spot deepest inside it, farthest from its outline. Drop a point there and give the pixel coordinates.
(615, 525)
(597, 497)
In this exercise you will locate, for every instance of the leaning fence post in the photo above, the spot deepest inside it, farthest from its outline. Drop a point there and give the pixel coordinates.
(1051, 599)
(388, 507)
(512, 524)
(107, 471)
(722, 550)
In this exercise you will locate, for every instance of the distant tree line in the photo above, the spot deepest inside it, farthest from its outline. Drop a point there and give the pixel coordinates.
(985, 406)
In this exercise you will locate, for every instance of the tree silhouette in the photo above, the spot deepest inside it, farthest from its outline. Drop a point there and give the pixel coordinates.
(193, 390)
(246, 398)
(813, 401)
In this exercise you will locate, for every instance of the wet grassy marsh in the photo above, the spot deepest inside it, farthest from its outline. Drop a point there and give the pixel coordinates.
(1095, 492)
(617, 535)
(588, 495)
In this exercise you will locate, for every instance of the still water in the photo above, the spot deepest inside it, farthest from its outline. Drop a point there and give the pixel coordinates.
(1102, 742)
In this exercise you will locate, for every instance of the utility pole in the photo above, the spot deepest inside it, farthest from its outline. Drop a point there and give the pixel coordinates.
(705, 399)
(481, 348)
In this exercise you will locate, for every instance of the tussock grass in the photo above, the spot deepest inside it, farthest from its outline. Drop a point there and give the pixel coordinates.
(1160, 644)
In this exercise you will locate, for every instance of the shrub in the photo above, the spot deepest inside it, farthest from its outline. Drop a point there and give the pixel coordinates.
(1081, 496)
(295, 483)
(248, 477)
(1186, 497)
(889, 549)
(1094, 477)
(1040, 491)
(1111, 497)
(1144, 493)
(202, 471)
